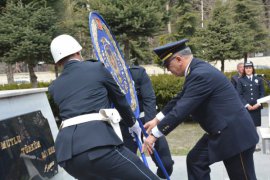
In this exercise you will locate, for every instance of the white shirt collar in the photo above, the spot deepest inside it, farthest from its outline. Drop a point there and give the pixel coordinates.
(74, 60)
(251, 76)
(186, 70)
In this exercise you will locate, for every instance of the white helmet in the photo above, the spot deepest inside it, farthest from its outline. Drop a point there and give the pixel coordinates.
(63, 46)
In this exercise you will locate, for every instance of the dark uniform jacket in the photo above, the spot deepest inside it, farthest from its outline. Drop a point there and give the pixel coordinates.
(145, 93)
(249, 92)
(147, 102)
(234, 80)
(212, 101)
(86, 87)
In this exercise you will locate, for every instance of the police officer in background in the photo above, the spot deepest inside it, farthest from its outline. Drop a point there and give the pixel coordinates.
(212, 101)
(147, 103)
(240, 71)
(250, 88)
(86, 146)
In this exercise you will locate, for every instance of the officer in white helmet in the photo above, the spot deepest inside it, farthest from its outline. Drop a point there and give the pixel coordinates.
(86, 146)
(64, 46)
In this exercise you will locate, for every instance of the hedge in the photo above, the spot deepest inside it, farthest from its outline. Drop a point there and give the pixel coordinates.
(166, 86)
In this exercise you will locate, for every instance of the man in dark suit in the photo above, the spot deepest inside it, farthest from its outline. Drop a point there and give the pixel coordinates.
(87, 146)
(147, 103)
(213, 102)
(240, 70)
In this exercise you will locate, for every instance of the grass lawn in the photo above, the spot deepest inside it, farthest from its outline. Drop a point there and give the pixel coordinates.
(184, 137)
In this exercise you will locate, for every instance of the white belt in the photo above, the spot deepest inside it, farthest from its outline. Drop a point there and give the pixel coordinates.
(110, 115)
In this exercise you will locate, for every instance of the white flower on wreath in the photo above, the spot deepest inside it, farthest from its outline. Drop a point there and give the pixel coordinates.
(256, 81)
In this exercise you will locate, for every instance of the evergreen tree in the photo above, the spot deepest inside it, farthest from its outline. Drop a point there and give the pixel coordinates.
(131, 20)
(73, 20)
(183, 17)
(266, 4)
(2, 4)
(186, 22)
(253, 36)
(219, 41)
(25, 35)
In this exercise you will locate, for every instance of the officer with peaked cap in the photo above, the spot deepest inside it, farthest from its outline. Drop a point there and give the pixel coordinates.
(250, 88)
(230, 135)
(147, 104)
(87, 146)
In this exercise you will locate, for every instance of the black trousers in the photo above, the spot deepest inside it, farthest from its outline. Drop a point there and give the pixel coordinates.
(239, 167)
(119, 164)
(161, 147)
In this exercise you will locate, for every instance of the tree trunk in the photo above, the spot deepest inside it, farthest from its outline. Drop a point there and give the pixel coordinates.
(33, 77)
(9, 73)
(222, 65)
(245, 57)
(267, 12)
(126, 51)
(56, 71)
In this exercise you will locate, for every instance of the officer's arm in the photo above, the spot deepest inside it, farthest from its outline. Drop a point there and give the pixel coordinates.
(148, 96)
(171, 103)
(241, 92)
(197, 90)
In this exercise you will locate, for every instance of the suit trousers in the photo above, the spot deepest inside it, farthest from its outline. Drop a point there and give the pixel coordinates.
(239, 166)
(119, 163)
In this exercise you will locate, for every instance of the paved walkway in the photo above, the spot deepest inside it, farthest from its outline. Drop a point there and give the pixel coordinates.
(218, 171)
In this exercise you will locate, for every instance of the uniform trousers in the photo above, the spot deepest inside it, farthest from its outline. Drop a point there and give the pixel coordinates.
(118, 164)
(161, 146)
(256, 114)
(239, 166)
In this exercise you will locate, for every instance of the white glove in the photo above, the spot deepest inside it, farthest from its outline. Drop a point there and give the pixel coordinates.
(136, 129)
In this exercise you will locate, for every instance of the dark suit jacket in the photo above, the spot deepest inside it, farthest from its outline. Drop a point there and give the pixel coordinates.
(212, 100)
(234, 80)
(147, 102)
(85, 87)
